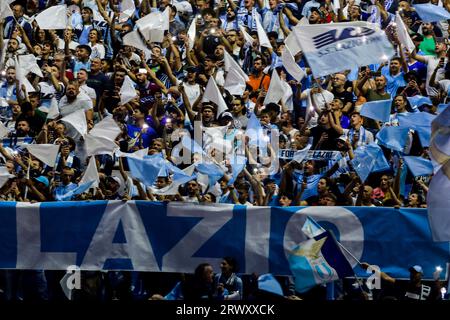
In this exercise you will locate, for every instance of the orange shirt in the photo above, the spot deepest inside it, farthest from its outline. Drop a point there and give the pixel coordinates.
(256, 84)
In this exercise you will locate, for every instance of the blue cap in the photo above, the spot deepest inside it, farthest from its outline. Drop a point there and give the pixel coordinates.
(43, 180)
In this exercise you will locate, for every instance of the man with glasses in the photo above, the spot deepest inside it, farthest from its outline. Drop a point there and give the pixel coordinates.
(232, 37)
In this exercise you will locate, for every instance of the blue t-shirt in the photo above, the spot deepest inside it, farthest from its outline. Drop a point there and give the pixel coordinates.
(147, 137)
(311, 184)
(393, 82)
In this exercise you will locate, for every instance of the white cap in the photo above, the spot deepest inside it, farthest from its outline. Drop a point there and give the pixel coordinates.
(183, 7)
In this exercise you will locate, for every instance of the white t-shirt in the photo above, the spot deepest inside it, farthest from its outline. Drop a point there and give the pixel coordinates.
(98, 50)
(88, 91)
(72, 44)
(444, 84)
(320, 99)
(81, 102)
(432, 63)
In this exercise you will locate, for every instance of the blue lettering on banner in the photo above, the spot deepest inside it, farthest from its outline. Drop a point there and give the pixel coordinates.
(176, 237)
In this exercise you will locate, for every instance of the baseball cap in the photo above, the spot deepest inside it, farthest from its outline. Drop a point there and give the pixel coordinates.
(226, 114)
(416, 268)
(116, 179)
(43, 180)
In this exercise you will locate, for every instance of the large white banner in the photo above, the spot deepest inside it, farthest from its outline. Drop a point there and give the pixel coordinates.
(336, 47)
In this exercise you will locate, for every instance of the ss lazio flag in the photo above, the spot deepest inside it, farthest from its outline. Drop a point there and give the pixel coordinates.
(335, 47)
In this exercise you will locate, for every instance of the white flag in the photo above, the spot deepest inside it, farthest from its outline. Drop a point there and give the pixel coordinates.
(291, 66)
(192, 32)
(166, 18)
(213, 94)
(21, 76)
(53, 111)
(291, 42)
(140, 154)
(248, 38)
(5, 10)
(403, 34)
(127, 10)
(3, 130)
(99, 145)
(91, 173)
(29, 64)
(276, 89)
(127, 91)
(230, 63)
(301, 154)
(154, 20)
(5, 176)
(107, 128)
(47, 153)
(334, 47)
(77, 120)
(234, 83)
(54, 17)
(133, 39)
(153, 35)
(262, 36)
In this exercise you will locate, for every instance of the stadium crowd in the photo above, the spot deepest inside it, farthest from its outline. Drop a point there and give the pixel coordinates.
(54, 74)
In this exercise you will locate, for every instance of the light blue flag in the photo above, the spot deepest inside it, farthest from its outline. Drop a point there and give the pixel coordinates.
(213, 171)
(268, 283)
(255, 133)
(419, 166)
(431, 13)
(317, 261)
(394, 138)
(178, 175)
(441, 107)
(78, 190)
(377, 110)
(237, 165)
(311, 228)
(376, 152)
(419, 100)
(363, 164)
(147, 169)
(420, 122)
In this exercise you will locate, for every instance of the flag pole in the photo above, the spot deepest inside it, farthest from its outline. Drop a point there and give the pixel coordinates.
(342, 246)
(28, 178)
(346, 250)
